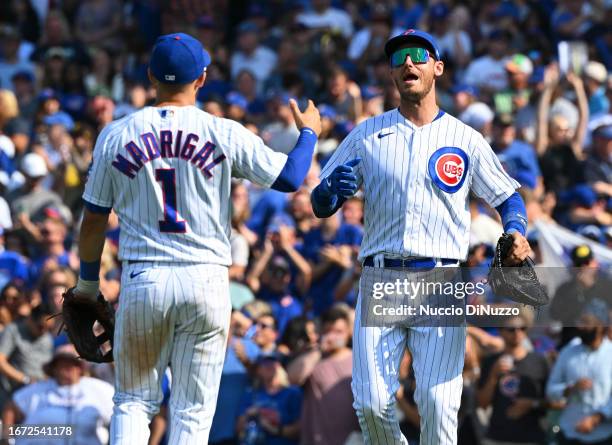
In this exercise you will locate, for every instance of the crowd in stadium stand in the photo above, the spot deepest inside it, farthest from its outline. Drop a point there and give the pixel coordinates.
(69, 67)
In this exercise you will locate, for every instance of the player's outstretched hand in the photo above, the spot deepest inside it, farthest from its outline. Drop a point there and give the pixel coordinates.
(342, 181)
(309, 118)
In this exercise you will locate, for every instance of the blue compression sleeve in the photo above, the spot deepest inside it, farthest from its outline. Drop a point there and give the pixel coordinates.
(90, 271)
(513, 212)
(298, 162)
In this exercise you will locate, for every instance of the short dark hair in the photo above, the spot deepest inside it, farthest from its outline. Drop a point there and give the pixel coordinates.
(334, 314)
(40, 311)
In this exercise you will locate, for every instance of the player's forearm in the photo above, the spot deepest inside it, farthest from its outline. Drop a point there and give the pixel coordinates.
(513, 214)
(91, 244)
(298, 163)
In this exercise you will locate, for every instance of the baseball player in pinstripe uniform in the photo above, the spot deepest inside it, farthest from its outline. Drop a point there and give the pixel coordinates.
(165, 170)
(417, 165)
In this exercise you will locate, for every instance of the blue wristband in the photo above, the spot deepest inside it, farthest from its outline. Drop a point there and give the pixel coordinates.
(90, 271)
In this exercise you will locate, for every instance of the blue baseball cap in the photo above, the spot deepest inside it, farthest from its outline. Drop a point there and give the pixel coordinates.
(413, 36)
(465, 88)
(59, 118)
(235, 98)
(178, 59)
(603, 131)
(327, 111)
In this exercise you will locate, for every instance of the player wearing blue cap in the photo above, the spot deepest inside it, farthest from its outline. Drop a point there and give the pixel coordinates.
(166, 172)
(417, 166)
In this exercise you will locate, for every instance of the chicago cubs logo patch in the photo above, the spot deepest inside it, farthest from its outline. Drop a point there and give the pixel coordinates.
(448, 168)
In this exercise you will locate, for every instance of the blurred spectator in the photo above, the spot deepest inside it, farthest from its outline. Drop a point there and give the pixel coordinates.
(518, 158)
(588, 282)
(595, 77)
(329, 249)
(488, 72)
(52, 250)
(241, 237)
(68, 398)
(513, 383)
(13, 266)
(463, 96)
(10, 63)
(557, 143)
(343, 94)
(300, 210)
(582, 379)
(98, 22)
(252, 56)
(25, 346)
(281, 133)
(479, 116)
(280, 241)
(328, 417)
(367, 43)
(324, 17)
(299, 345)
(446, 26)
(30, 200)
(266, 333)
(270, 412)
(241, 354)
(519, 68)
(598, 166)
(14, 304)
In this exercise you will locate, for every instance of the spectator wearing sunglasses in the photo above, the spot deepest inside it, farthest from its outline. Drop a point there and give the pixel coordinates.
(512, 383)
(265, 335)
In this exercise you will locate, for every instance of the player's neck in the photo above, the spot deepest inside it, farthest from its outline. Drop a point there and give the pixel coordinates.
(420, 113)
(182, 99)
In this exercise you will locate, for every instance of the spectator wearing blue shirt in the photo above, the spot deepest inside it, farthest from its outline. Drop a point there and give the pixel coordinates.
(13, 267)
(518, 158)
(329, 249)
(595, 77)
(582, 378)
(271, 411)
(277, 279)
(234, 381)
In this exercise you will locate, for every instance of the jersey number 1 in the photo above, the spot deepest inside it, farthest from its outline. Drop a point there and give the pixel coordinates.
(171, 222)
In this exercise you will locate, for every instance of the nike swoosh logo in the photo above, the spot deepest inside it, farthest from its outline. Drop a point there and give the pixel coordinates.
(382, 135)
(135, 274)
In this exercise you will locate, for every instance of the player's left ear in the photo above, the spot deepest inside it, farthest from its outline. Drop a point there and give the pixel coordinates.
(438, 68)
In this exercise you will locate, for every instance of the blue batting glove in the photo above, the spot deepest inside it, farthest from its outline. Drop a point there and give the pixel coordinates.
(342, 181)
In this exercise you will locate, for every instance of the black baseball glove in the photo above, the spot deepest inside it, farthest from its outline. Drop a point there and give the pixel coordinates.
(79, 314)
(518, 283)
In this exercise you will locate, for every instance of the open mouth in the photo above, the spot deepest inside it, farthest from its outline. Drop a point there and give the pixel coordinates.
(409, 77)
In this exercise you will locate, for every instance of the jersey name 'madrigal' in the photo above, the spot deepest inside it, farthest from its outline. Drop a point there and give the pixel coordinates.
(169, 146)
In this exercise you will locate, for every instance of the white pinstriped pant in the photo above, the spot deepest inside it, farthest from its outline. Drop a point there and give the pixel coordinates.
(175, 314)
(438, 355)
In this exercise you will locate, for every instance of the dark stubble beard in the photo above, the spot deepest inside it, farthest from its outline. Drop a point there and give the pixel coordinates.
(416, 96)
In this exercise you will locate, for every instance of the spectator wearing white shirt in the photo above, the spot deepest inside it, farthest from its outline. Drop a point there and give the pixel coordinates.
(489, 71)
(323, 16)
(454, 43)
(68, 399)
(252, 56)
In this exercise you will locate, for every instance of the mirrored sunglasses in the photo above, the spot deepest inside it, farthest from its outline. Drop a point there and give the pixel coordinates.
(417, 55)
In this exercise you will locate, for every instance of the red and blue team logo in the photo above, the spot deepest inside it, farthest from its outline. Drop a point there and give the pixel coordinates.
(448, 168)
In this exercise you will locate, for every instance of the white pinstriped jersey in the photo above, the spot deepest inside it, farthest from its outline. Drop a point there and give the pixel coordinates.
(417, 181)
(167, 174)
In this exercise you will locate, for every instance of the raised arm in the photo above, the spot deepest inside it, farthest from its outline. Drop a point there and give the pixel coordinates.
(583, 114)
(551, 80)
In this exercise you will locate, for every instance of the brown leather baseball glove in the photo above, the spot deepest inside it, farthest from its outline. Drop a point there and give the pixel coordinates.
(79, 314)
